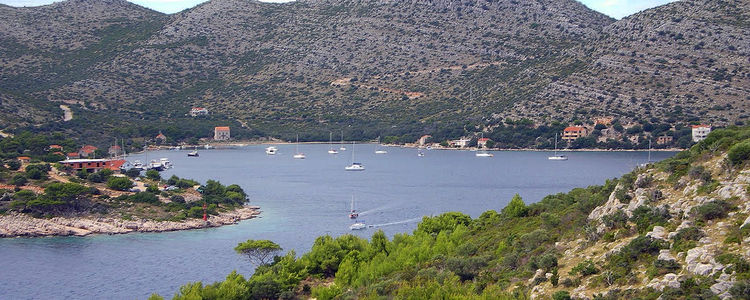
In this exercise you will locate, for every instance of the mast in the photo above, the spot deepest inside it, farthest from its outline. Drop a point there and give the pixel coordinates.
(555, 143)
(297, 143)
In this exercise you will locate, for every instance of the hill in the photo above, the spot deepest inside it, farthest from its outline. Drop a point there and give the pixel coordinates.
(371, 67)
(671, 230)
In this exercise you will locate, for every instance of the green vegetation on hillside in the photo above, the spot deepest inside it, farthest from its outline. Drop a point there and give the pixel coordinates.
(504, 255)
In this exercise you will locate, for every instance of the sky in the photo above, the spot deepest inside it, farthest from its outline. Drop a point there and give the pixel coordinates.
(613, 8)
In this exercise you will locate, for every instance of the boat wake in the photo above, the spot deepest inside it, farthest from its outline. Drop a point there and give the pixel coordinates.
(399, 222)
(377, 209)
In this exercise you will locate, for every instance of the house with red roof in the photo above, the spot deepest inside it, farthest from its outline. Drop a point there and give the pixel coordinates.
(24, 159)
(55, 147)
(87, 151)
(700, 132)
(95, 165)
(198, 111)
(221, 133)
(114, 150)
(73, 155)
(574, 132)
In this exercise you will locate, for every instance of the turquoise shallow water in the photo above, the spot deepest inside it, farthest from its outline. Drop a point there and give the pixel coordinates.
(300, 199)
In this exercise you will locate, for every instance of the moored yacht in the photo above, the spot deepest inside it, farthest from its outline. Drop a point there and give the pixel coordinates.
(271, 150)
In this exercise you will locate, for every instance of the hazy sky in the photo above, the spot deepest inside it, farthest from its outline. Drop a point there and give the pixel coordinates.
(613, 8)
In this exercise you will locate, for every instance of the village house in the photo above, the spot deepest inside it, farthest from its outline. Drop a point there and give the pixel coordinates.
(161, 138)
(700, 132)
(461, 143)
(55, 148)
(87, 151)
(664, 139)
(114, 150)
(221, 133)
(574, 132)
(24, 159)
(198, 111)
(423, 140)
(482, 142)
(94, 165)
(73, 155)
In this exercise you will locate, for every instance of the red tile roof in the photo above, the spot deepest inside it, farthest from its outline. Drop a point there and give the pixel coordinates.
(88, 149)
(55, 147)
(24, 158)
(73, 154)
(115, 165)
(484, 139)
(574, 128)
(226, 128)
(701, 125)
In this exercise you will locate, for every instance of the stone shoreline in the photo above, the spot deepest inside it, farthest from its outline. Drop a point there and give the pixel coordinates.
(20, 225)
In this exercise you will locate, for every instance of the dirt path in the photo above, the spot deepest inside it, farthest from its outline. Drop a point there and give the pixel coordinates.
(67, 113)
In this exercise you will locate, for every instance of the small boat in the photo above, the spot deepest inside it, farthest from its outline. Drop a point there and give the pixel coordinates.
(420, 154)
(380, 151)
(355, 166)
(353, 214)
(193, 153)
(557, 157)
(138, 165)
(298, 155)
(271, 150)
(330, 142)
(155, 165)
(166, 164)
(359, 225)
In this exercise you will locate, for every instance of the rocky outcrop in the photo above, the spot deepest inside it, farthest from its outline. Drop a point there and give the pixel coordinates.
(21, 225)
(700, 260)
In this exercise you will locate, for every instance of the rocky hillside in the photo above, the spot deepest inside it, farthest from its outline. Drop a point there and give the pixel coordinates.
(677, 229)
(687, 60)
(375, 67)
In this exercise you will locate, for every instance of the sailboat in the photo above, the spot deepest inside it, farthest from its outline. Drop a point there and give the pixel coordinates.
(330, 142)
(298, 155)
(483, 153)
(355, 166)
(353, 214)
(380, 151)
(420, 153)
(557, 157)
(342, 148)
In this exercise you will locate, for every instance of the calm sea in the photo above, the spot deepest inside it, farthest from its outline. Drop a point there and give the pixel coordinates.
(300, 200)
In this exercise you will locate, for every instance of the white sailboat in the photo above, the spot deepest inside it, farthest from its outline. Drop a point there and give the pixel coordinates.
(298, 155)
(355, 166)
(342, 148)
(483, 153)
(330, 142)
(378, 150)
(557, 157)
(649, 155)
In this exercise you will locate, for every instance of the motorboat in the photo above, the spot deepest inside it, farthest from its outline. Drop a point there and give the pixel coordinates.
(271, 150)
(484, 154)
(166, 164)
(138, 165)
(155, 165)
(193, 153)
(359, 225)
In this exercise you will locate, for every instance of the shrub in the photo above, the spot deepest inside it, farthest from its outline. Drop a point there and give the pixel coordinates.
(740, 290)
(584, 268)
(13, 164)
(19, 180)
(616, 220)
(712, 210)
(739, 153)
(153, 175)
(561, 295)
(119, 183)
(645, 217)
(133, 173)
(144, 197)
(516, 208)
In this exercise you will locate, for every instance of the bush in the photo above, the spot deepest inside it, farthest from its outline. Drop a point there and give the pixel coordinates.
(516, 208)
(712, 210)
(739, 153)
(19, 180)
(561, 295)
(13, 164)
(119, 183)
(153, 175)
(95, 177)
(133, 173)
(645, 217)
(584, 268)
(144, 197)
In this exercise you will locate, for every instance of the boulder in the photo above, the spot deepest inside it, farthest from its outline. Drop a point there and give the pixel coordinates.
(658, 232)
(611, 206)
(664, 254)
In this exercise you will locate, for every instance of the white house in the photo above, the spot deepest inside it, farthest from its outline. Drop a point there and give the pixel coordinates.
(462, 143)
(700, 132)
(221, 133)
(198, 111)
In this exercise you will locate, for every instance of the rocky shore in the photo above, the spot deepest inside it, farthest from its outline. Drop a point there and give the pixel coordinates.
(21, 225)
